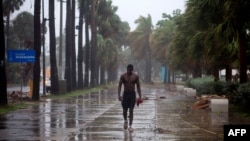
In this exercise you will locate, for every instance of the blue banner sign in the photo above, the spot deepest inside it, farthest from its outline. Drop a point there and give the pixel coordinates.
(21, 56)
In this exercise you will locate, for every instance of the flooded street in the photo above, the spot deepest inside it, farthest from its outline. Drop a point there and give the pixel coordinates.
(98, 117)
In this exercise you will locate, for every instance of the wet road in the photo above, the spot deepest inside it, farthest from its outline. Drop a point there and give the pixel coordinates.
(98, 117)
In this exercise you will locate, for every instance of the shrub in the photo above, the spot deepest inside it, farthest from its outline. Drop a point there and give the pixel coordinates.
(206, 85)
(238, 94)
(232, 93)
(244, 92)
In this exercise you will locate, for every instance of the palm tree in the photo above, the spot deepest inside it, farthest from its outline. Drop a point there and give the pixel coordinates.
(121, 35)
(53, 64)
(140, 42)
(73, 48)
(162, 39)
(228, 26)
(3, 80)
(10, 6)
(87, 52)
(68, 63)
(203, 45)
(195, 41)
(94, 70)
(100, 45)
(195, 32)
(23, 28)
(80, 46)
(107, 52)
(108, 27)
(21, 37)
(37, 48)
(237, 24)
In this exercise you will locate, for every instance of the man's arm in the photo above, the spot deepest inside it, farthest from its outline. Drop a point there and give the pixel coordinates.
(119, 88)
(138, 87)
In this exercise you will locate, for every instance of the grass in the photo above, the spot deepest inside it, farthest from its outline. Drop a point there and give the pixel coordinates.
(12, 107)
(75, 93)
(4, 109)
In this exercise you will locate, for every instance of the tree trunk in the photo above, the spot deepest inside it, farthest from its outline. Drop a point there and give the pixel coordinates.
(7, 31)
(73, 52)
(3, 79)
(53, 65)
(197, 70)
(80, 50)
(102, 75)
(228, 73)
(148, 62)
(37, 48)
(110, 74)
(147, 68)
(93, 81)
(68, 48)
(97, 69)
(87, 53)
(165, 77)
(216, 74)
(173, 77)
(169, 77)
(60, 42)
(242, 56)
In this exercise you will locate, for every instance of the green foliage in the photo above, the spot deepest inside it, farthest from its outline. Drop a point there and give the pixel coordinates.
(193, 83)
(10, 6)
(206, 85)
(238, 94)
(244, 92)
(139, 39)
(13, 77)
(206, 36)
(212, 88)
(23, 27)
(231, 89)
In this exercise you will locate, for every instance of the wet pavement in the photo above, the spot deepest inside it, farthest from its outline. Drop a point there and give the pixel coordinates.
(98, 117)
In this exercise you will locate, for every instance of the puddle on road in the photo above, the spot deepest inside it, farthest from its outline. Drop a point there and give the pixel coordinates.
(54, 117)
(162, 116)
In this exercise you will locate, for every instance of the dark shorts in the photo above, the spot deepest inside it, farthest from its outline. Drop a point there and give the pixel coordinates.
(128, 100)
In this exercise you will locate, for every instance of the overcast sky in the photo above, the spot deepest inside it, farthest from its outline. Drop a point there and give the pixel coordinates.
(128, 10)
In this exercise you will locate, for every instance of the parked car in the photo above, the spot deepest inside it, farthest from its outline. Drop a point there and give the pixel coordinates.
(48, 84)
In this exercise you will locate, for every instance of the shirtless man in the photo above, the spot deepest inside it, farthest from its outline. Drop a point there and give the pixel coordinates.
(128, 99)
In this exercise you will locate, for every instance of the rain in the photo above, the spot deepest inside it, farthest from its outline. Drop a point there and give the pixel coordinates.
(66, 70)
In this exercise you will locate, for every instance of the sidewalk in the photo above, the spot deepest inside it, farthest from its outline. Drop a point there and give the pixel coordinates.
(164, 116)
(98, 117)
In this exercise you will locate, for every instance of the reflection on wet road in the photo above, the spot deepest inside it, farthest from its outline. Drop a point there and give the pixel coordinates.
(98, 117)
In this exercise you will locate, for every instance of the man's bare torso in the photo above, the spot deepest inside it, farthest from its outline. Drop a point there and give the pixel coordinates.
(129, 81)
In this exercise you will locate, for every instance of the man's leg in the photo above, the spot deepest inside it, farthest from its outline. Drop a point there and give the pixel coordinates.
(131, 116)
(125, 110)
(131, 110)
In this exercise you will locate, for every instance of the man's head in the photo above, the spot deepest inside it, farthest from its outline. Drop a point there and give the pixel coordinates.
(130, 68)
